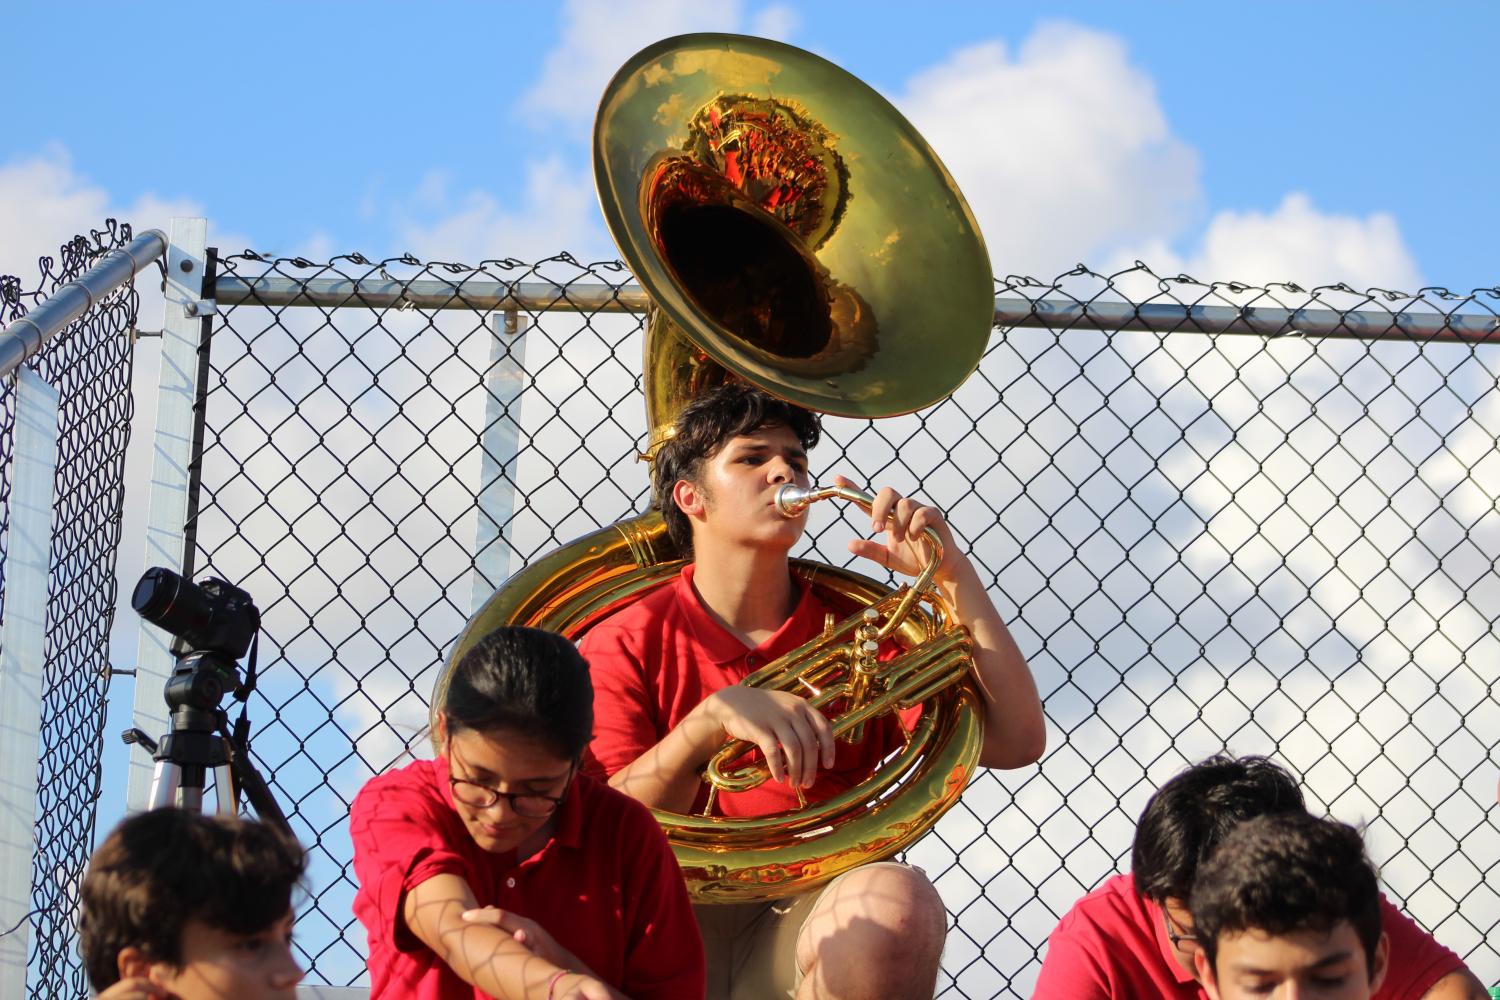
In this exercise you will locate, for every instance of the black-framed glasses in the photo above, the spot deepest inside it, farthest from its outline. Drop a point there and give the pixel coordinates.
(1174, 935)
(530, 804)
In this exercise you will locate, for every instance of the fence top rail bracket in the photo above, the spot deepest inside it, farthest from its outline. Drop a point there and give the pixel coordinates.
(27, 335)
(1055, 313)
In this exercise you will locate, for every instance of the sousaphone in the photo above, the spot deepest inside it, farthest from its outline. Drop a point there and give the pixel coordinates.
(793, 230)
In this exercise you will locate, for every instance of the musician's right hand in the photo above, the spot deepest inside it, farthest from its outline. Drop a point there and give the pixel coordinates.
(794, 737)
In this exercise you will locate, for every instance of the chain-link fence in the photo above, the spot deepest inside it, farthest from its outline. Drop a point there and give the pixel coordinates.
(1202, 540)
(89, 364)
(1271, 543)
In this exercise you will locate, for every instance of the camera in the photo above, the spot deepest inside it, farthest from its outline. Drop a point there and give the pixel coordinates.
(211, 617)
(214, 623)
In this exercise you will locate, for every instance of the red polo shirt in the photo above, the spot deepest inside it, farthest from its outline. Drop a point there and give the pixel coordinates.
(605, 886)
(1113, 944)
(656, 659)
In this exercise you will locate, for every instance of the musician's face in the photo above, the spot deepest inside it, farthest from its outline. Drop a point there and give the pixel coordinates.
(1302, 965)
(736, 498)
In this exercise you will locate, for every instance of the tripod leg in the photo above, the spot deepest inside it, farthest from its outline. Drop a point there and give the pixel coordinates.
(165, 779)
(224, 789)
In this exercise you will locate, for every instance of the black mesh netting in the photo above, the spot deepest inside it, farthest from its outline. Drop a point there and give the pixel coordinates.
(89, 364)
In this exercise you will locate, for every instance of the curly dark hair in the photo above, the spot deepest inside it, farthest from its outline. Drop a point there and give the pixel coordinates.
(1284, 873)
(160, 869)
(527, 681)
(1192, 813)
(703, 428)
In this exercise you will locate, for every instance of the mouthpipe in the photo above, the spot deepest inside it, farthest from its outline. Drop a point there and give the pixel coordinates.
(792, 500)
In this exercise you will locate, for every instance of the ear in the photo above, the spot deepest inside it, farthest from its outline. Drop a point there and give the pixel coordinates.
(690, 498)
(1382, 962)
(1205, 973)
(132, 963)
(440, 732)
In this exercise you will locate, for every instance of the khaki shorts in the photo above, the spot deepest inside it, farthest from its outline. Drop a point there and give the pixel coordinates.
(752, 947)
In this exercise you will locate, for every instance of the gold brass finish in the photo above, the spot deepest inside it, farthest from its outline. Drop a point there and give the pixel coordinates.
(792, 230)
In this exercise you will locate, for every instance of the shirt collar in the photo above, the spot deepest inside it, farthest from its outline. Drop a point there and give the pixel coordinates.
(724, 647)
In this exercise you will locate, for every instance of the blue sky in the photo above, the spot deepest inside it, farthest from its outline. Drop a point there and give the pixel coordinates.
(458, 130)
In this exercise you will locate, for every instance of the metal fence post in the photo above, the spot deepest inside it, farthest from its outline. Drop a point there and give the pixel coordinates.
(22, 639)
(170, 503)
(504, 381)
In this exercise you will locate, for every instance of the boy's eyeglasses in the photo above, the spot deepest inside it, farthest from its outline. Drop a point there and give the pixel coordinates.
(530, 804)
(1173, 935)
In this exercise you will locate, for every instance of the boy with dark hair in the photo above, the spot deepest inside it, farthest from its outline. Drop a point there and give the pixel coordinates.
(666, 694)
(1288, 906)
(176, 904)
(1134, 936)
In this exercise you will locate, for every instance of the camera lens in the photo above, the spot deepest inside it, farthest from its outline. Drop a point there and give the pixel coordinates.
(155, 592)
(165, 599)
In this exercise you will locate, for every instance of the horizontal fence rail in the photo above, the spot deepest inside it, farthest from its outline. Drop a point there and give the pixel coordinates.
(1010, 311)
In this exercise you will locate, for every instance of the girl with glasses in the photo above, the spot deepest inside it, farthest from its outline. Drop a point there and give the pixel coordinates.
(498, 870)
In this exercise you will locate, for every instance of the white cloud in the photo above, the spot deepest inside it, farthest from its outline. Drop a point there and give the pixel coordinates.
(599, 35)
(1062, 150)
(44, 202)
(1066, 156)
(777, 21)
(558, 211)
(1295, 242)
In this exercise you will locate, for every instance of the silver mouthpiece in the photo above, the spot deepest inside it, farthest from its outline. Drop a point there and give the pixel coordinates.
(792, 500)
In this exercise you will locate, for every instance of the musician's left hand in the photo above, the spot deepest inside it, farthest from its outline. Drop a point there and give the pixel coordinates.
(903, 522)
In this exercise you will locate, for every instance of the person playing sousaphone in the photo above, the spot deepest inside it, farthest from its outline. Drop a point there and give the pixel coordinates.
(804, 252)
(665, 673)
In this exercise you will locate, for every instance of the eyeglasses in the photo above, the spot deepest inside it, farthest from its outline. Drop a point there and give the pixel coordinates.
(530, 804)
(1174, 935)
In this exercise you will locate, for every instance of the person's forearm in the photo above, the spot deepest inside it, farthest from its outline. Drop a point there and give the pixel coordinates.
(668, 775)
(1459, 985)
(1015, 731)
(493, 962)
(486, 957)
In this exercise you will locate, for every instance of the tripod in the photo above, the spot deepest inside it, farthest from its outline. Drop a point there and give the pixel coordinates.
(200, 741)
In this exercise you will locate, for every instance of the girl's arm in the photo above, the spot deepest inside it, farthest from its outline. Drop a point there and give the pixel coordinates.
(485, 956)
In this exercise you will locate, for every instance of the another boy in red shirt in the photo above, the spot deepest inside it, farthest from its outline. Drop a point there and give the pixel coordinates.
(1134, 935)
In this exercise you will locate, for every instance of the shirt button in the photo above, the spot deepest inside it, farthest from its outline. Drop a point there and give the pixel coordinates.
(510, 883)
(752, 661)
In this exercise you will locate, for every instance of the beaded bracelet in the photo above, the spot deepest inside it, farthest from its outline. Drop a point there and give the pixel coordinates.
(552, 984)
